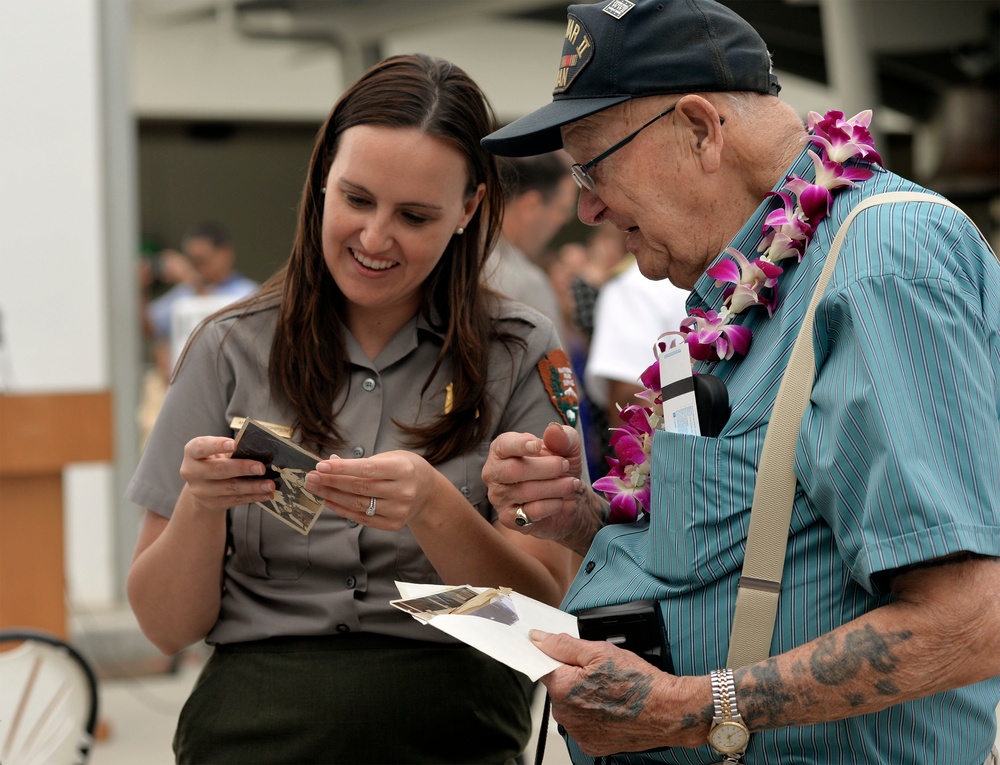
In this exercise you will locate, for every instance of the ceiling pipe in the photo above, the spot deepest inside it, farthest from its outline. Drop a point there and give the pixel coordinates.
(357, 54)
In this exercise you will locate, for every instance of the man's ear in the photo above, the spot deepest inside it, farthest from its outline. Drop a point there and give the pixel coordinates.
(704, 125)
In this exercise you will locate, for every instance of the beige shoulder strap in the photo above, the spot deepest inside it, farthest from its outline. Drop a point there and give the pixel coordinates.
(760, 583)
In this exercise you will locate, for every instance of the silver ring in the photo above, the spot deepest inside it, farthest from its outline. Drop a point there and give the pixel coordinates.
(520, 518)
(371, 508)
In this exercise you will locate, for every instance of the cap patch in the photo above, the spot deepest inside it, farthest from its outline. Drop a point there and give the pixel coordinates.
(557, 377)
(578, 50)
(618, 8)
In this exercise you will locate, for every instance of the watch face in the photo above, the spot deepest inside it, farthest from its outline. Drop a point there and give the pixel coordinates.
(729, 737)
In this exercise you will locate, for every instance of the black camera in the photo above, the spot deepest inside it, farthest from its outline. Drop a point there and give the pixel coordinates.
(634, 626)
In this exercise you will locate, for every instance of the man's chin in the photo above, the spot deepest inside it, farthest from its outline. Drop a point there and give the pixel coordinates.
(650, 266)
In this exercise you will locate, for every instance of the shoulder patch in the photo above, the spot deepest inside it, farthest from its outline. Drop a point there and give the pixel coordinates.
(557, 377)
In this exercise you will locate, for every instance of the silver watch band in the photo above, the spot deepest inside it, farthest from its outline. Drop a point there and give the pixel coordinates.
(724, 694)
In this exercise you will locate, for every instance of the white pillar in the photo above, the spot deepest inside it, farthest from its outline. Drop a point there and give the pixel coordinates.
(121, 192)
(66, 251)
(850, 63)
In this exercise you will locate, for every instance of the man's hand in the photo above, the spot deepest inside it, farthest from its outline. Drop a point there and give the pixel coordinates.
(541, 476)
(609, 700)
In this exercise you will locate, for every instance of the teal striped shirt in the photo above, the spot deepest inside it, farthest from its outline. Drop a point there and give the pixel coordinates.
(896, 465)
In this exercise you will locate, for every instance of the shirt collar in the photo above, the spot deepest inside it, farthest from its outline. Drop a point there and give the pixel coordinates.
(402, 344)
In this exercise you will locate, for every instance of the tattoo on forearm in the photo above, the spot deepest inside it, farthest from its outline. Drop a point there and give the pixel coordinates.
(613, 694)
(834, 664)
(770, 700)
(691, 721)
(764, 699)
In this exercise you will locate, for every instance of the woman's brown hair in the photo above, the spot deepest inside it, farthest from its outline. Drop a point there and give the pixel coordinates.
(308, 362)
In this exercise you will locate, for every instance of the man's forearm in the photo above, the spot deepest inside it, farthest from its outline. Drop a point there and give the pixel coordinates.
(941, 634)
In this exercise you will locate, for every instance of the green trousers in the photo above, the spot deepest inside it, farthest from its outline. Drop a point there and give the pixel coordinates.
(353, 699)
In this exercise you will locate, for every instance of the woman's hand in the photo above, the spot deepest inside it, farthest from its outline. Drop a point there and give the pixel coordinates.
(175, 582)
(403, 489)
(387, 491)
(215, 482)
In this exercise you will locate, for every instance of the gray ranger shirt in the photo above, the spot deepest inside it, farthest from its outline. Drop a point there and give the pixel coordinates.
(340, 577)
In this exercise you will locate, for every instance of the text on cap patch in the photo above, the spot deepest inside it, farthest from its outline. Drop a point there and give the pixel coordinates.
(578, 49)
(618, 8)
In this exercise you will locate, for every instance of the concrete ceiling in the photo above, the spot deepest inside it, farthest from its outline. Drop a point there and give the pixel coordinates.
(934, 62)
(921, 48)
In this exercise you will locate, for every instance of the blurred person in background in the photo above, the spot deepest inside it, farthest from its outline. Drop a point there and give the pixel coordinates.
(618, 353)
(605, 253)
(206, 265)
(199, 279)
(539, 199)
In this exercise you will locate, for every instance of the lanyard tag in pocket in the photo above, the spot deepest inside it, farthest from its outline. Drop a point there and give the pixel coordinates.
(680, 408)
(695, 405)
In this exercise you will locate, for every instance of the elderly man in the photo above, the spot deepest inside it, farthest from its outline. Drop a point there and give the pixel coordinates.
(886, 643)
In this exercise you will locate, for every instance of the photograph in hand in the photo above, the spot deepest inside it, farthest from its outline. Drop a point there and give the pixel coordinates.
(492, 604)
(286, 463)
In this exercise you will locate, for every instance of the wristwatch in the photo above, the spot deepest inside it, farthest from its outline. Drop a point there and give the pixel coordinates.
(728, 735)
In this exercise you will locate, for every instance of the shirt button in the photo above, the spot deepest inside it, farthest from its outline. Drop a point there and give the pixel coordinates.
(358, 451)
(351, 581)
(466, 491)
(589, 567)
(343, 628)
(368, 384)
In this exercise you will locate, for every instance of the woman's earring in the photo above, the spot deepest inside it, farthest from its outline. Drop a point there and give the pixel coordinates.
(322, 190)
(460, 231)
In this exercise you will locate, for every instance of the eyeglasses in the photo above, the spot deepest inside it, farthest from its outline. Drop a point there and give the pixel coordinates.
(579, 172)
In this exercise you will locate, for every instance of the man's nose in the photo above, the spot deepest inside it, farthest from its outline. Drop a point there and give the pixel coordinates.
(590, 208)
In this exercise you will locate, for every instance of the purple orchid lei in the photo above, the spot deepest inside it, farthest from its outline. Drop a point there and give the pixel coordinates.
(711, 335)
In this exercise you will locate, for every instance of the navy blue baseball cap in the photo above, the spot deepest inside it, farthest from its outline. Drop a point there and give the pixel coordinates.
(616, 50)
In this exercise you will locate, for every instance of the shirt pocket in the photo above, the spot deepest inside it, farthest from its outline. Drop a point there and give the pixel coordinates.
(473, 488)
(702, 493)
(465, 472)
(411, 563)
(266, 548)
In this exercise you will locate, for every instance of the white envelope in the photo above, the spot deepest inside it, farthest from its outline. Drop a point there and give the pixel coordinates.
(508, 644)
